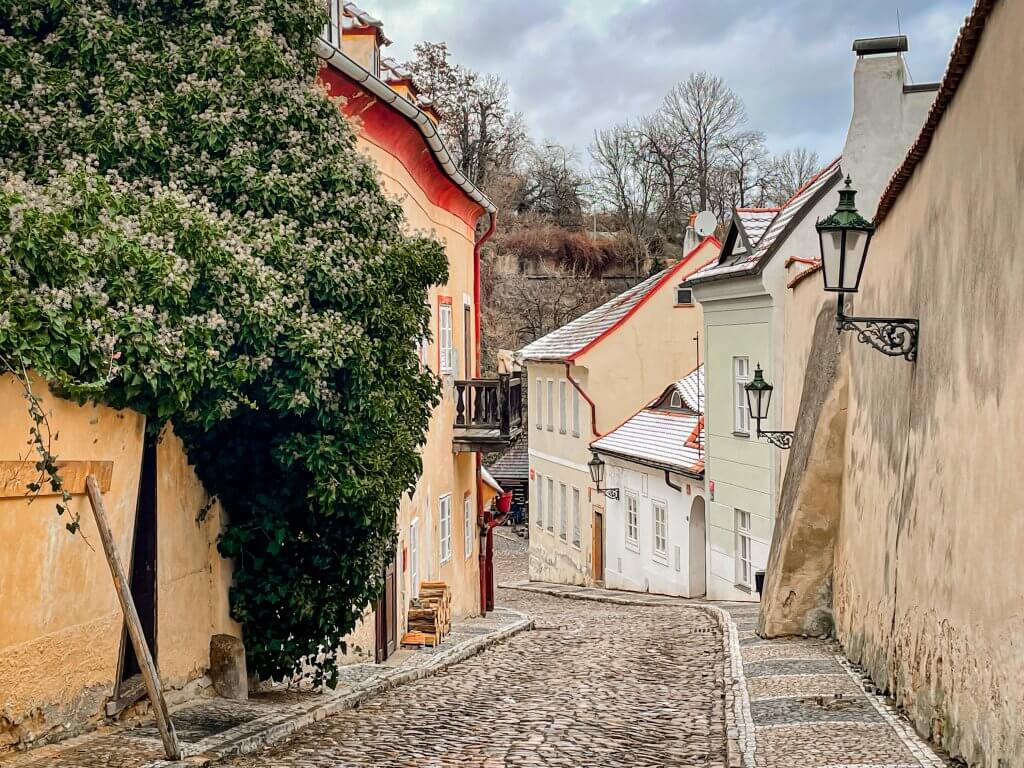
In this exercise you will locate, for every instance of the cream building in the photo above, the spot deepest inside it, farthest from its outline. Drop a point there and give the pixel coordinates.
(900, 517)
(586, 378)
(745, 298)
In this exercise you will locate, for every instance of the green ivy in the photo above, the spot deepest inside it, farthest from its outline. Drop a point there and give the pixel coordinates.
(188, 230)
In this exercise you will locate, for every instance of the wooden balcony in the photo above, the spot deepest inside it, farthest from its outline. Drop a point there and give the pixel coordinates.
(488, 413)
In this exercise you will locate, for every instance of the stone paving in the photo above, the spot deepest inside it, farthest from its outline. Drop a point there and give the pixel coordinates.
(801, 703)
(594, 684)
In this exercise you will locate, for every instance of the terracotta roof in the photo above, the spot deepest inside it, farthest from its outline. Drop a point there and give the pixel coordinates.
(514, 464)
(763, 238)
(576, 337)
(666, 439)
(355, 18)
(960, 59)
(801, 275)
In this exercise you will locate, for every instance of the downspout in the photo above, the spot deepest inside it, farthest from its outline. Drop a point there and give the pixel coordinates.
(483, 517)
(669, 483)
(578, 388)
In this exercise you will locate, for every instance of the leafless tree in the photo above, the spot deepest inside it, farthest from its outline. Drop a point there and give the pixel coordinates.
(478, 124)
(747, 166)
(790, 171)
(706, 113)
(551, 186)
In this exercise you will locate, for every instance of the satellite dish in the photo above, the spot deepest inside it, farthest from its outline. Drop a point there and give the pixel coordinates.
(705, 223)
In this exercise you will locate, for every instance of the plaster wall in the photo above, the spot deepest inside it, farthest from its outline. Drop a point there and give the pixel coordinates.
(932, 601)
(60, 621)
(634, 565)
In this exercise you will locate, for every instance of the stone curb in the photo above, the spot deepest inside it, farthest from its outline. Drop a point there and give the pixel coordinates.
(739, 725)
(245, 740)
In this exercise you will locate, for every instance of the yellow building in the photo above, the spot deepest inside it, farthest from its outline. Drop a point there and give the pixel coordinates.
(586, 378)
(438, 527)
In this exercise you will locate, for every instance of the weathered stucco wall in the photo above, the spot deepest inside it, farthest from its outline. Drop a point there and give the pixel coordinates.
(929, 581)
(60, 622)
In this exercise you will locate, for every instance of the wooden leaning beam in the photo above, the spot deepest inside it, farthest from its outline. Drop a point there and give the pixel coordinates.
(131, 617)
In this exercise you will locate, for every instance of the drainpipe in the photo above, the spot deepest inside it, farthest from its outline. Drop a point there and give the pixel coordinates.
(669, 483)
(578, 388)
(483, 517)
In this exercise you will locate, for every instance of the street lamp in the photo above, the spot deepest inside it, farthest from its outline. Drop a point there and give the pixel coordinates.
(845, 237)
(597, 467)
(759, 398)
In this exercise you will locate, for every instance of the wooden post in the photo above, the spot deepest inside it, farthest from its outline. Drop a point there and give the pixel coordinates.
(131, 617)
(503, 415)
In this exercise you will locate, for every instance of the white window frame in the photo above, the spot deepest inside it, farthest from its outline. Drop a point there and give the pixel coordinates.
(540, 403)
(576, 502)
(741, 377)
(675, 400)
(632, 518)
(445, 527)
(679, 303)
(539, 499)
(575, 412)
(563, 512)
(446, 337)
(562, 406)
(551, 405)
(744, 547)
(659, 514)
(467, 525)
(414, 557)
(550, 512)
(334, 24)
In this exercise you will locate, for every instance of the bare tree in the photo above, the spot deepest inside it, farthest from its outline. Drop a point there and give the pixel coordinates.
(478, 124)
(551, 186)
(706, 113)
(790, 171)
(747, 168)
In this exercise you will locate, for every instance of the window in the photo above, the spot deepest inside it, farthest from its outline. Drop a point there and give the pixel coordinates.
(333, 31)
(563, 513)
(676, 401)
(744, 561)
(467, 526)
(561, 405)
(575, 412)
(446, 350)
(684, 296)
(551, 405)
(741, 375)
(660, 529)
(446, 528)
(414, 557)
(539, 407)
(575, 517)
(549, 512)
(539, 501)
(632, 520)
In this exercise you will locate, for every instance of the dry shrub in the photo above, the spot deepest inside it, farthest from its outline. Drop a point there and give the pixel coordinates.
(550, 245)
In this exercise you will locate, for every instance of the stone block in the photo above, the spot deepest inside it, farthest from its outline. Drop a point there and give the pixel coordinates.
(227, 667)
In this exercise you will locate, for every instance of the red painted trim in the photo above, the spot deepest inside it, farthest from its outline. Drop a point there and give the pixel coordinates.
(476, 285)
(758, 210)
(801, 260)
(666, 278)
(485, 564)
(401, 138)
(800, 277)
(828, 168)
(593, 407)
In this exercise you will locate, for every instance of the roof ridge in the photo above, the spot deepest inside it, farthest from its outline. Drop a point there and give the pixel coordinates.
(807, 184)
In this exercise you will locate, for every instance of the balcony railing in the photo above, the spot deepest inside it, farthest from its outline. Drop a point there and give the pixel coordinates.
(488, 413)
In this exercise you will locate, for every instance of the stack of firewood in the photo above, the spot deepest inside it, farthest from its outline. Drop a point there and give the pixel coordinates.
(430, 615)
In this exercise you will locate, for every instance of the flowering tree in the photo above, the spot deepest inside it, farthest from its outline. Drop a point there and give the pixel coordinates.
(188, 230)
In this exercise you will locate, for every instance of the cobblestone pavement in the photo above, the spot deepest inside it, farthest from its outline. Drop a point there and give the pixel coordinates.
(594, 684)
(803, 705)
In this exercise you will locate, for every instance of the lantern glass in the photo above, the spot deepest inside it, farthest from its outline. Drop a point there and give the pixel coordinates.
(844, 238)
(596, 467)
(759, 396)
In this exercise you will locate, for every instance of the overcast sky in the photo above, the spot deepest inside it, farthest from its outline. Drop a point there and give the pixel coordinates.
(579, 65)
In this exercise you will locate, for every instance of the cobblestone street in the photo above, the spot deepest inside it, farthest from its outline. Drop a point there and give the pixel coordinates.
(593, 685)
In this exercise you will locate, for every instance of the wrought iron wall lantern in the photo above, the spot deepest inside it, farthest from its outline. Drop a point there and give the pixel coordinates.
(597, 467)
(845, 237)
(759, 398)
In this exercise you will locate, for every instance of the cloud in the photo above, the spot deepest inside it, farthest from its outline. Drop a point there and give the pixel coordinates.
(576, 66)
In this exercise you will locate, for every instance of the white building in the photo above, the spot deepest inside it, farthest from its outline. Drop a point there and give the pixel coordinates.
(656, 538)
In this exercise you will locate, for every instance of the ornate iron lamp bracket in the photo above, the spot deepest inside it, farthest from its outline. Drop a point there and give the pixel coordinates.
(609, 493)
(779, 438)
(892, 336)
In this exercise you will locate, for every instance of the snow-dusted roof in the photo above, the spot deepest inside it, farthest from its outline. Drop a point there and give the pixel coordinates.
(691, 389)
(576, 336)
(668, 439)
(763, 237)
(353, 17)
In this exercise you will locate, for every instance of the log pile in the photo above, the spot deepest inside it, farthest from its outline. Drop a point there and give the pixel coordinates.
(430, 615)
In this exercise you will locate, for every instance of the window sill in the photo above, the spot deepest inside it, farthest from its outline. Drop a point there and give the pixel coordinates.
(575, 434)
(682, 306)
(562, 432)
(744, 588)
(738, 433)
(633, 546)
(576, 546)
(660, 559)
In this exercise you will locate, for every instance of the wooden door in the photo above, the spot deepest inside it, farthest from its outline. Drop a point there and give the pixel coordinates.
(386, 612)
(143, 584)
(598, 546)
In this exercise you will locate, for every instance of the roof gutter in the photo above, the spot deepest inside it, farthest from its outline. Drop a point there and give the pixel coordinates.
(426, 126)
(654, 464)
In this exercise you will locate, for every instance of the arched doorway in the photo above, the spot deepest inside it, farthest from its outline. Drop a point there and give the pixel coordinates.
(698, 548)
